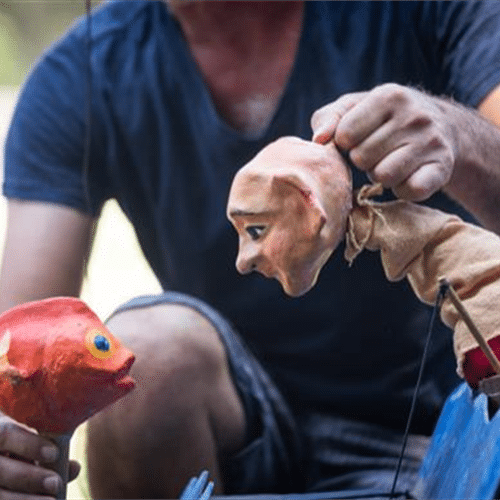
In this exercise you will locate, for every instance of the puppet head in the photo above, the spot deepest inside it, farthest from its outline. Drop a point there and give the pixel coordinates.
(289, 206)
(59, 364)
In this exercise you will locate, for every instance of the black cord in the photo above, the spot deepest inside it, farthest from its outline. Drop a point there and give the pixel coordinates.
(439, 299)
(443, 288)
(88, 111)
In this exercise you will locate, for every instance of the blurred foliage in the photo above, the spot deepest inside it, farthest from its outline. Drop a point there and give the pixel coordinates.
(27, 27)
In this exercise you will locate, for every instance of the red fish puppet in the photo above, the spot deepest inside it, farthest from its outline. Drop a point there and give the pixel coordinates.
(59, 364)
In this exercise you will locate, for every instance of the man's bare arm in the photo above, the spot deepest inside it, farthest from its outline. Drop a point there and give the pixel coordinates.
(45, 252)
(475, 182)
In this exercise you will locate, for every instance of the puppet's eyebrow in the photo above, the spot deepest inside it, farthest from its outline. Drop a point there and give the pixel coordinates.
(239, 213)
(249, 213)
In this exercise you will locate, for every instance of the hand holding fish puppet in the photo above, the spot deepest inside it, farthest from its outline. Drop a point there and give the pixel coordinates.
(293, 204)
(59, 365)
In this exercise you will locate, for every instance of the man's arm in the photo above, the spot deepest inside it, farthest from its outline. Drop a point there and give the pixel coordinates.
(45, 252)
(490, 106)
(416, 144)
(475, 182)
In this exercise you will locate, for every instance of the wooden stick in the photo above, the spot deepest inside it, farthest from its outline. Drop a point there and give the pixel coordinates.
(61, 466)
(455, 299)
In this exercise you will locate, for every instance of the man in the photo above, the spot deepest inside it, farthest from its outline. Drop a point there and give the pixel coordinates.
(181, 98)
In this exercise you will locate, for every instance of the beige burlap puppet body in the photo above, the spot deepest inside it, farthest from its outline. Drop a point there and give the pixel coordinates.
(293, 204)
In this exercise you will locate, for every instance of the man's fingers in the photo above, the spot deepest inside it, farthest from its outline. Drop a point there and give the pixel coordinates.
(22, 443)
(423, 183)
(324, 121)
(394, 169)
(19, 476)
(22, 456)
(411, 174)
(13, 495)
(361, 121)
(74, 469)
(383, 142)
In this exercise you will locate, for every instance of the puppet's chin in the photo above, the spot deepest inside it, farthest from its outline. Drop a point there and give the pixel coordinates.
(296, 291)
(296, 286)
(303, 276)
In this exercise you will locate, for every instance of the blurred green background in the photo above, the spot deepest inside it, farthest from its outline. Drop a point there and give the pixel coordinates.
(27, 27)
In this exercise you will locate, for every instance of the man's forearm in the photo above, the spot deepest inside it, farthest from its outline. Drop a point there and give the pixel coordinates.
(475, 181)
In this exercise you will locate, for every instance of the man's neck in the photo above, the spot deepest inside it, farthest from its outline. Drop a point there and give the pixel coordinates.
(234, 23)
(245, 52)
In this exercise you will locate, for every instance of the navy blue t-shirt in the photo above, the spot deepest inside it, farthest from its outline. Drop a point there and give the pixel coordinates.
(352, 345)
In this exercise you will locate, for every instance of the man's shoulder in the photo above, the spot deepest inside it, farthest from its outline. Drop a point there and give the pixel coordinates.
(118, 31)
(375, 13)
(119, 20)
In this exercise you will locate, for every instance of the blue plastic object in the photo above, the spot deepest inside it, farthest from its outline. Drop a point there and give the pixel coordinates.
(463, 460)
(198, 488)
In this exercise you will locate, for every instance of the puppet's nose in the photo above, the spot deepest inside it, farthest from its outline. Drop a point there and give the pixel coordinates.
(246, 261)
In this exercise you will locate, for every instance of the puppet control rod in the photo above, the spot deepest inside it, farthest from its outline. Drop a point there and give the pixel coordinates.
(455, 299)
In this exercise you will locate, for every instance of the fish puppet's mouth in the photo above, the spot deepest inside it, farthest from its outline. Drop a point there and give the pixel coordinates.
(122, 380)
(119, 381)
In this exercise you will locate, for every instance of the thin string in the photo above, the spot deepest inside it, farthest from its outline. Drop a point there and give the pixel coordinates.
(439, 300)
(88, 110)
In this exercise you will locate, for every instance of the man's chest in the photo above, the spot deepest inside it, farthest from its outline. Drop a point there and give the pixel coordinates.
(246, 86)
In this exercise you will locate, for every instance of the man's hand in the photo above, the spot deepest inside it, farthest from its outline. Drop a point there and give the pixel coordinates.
(401, 137)
(23, 458)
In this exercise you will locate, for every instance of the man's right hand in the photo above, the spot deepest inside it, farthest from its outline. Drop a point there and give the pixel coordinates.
(25, 460)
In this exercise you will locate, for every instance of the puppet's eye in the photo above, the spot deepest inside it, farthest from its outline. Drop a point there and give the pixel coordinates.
(255, 232)
(99, 344)
(102, 343)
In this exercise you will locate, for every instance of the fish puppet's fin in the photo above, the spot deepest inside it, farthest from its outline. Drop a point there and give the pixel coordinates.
(8, 371)
(4, 347)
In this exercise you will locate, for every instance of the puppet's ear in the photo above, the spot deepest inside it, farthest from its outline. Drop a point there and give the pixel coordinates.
(299, 200)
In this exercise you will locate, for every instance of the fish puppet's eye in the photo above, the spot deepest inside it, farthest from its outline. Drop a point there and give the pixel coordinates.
(102, 343)
(99, 344)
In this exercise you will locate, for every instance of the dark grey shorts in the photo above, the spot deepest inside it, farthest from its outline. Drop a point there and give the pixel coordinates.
(285, 454)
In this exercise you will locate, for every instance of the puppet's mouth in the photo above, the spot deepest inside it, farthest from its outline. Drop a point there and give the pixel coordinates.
(117, 380)
(267, 270)
(121, 379)
(267, 273)
(126, 383)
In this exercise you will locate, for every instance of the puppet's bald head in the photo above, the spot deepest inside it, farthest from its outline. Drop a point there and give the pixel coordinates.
(289, 206)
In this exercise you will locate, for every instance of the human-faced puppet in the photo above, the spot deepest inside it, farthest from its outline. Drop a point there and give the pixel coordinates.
(293, 204)
(289, 206)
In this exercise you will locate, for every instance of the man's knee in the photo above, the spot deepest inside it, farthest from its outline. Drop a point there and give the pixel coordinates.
(181, 366)
(172, 343)
(184, 391)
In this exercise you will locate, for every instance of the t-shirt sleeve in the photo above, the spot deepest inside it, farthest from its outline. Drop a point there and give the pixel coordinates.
(468, 47)
(45, 146)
